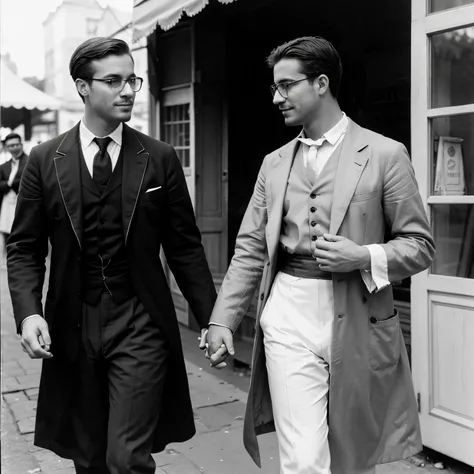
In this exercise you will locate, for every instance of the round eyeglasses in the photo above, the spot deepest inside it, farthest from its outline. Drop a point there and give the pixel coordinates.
(135, 83)
(283, 87)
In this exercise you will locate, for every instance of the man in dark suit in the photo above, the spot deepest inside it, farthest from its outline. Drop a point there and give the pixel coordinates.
(113, 385)
(10, 175)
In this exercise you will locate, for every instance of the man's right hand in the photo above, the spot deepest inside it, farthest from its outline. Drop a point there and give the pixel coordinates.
(218, 338)
(35, 338)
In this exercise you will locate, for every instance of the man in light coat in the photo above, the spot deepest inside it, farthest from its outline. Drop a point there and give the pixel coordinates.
(334, 220)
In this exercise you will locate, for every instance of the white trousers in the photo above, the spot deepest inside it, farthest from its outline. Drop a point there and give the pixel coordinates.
(297, 327)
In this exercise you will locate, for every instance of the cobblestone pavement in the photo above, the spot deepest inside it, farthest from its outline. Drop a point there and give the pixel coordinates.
(219, 408)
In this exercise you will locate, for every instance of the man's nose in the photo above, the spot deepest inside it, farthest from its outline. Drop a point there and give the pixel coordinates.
(278, 98)
(127, 91)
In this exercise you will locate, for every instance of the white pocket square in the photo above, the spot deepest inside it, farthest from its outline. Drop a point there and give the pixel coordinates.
(152, 189)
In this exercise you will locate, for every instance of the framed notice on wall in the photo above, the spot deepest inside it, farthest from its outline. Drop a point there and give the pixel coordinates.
(449, 177)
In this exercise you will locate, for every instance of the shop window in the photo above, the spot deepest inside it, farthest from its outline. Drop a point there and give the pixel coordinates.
(453, 230)
(452, 158)
(440, 5)
(176, 131)
(452, 59)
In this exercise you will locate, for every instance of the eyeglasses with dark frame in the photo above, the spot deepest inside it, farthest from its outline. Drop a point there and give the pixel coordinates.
(283, 87)
(135, 83)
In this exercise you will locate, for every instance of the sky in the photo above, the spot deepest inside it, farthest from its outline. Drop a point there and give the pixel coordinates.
(21, 26)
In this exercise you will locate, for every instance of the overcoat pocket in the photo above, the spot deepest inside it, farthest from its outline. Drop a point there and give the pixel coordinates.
(384, 342)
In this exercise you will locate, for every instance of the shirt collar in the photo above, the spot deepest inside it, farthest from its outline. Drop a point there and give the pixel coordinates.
(87, 136)
(332, 136)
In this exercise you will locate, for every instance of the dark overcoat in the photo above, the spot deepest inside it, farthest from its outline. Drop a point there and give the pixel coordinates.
(372, 412)
(50, 207)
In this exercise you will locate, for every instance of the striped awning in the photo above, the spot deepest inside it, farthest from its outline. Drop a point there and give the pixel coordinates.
(151, 14)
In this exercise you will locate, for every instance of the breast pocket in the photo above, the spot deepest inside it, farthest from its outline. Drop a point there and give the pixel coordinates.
(153, 194)
(364, 195)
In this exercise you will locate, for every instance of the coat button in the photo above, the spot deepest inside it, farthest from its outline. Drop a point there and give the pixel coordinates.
(313, 223)
(373, 319)
(313, 209)
(312, 195)
(313, 238)
(262, 296)
(340, 316)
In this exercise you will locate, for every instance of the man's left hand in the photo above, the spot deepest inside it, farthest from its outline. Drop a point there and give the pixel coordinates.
(335, 253)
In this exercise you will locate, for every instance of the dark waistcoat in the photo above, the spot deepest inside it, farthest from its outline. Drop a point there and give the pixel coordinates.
(104, 267)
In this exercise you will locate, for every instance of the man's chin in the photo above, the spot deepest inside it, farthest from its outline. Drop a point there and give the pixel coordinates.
(124, 117)
(291, 122)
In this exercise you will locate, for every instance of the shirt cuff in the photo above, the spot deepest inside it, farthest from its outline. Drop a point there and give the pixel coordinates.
(222, 326)
(376, 278)
(28, 317)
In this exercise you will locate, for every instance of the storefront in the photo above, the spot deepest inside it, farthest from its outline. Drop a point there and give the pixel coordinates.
(408, 74)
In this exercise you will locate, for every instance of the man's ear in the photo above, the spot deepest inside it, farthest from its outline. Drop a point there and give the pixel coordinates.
(323, 83)
(82, 87)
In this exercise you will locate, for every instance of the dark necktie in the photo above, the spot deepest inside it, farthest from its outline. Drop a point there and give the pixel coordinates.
(102, 168)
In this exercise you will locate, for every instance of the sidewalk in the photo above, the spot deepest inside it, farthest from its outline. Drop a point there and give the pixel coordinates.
(219, 407)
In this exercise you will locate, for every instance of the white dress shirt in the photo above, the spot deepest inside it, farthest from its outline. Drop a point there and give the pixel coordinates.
(90, 148)
(316, 153)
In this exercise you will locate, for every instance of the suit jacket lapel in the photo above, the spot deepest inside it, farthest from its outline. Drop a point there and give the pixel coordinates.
(68, 173)
(135, 160)
(353, 159)
(278, 177)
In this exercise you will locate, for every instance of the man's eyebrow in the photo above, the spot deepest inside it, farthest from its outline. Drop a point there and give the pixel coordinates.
(113, 76)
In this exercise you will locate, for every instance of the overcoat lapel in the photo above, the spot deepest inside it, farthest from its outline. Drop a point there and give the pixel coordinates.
(68, 173)
(278, 177)
(353, 159)
(135, 160)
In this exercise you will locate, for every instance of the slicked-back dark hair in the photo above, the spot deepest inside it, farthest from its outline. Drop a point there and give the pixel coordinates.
(95, 48)
(92, 49)
(317, 56)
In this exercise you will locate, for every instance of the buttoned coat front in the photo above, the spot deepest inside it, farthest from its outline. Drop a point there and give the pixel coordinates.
(372, 412)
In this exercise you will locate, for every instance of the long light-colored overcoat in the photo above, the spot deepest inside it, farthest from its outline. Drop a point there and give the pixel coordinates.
(372, 416)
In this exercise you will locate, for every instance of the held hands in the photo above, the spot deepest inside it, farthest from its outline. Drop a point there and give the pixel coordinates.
(335, 253)
(35, 338)
(217, 342)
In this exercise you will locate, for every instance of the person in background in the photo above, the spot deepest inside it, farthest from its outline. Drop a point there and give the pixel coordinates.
(113, 386)
(10, 176)
(335, 218)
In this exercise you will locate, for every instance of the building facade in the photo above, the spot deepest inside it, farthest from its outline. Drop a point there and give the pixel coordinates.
(408, 69)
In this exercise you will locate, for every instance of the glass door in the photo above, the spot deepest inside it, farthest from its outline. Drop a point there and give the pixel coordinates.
(443, 157)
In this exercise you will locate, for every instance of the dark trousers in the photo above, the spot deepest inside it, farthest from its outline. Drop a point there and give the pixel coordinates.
(120, 378)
